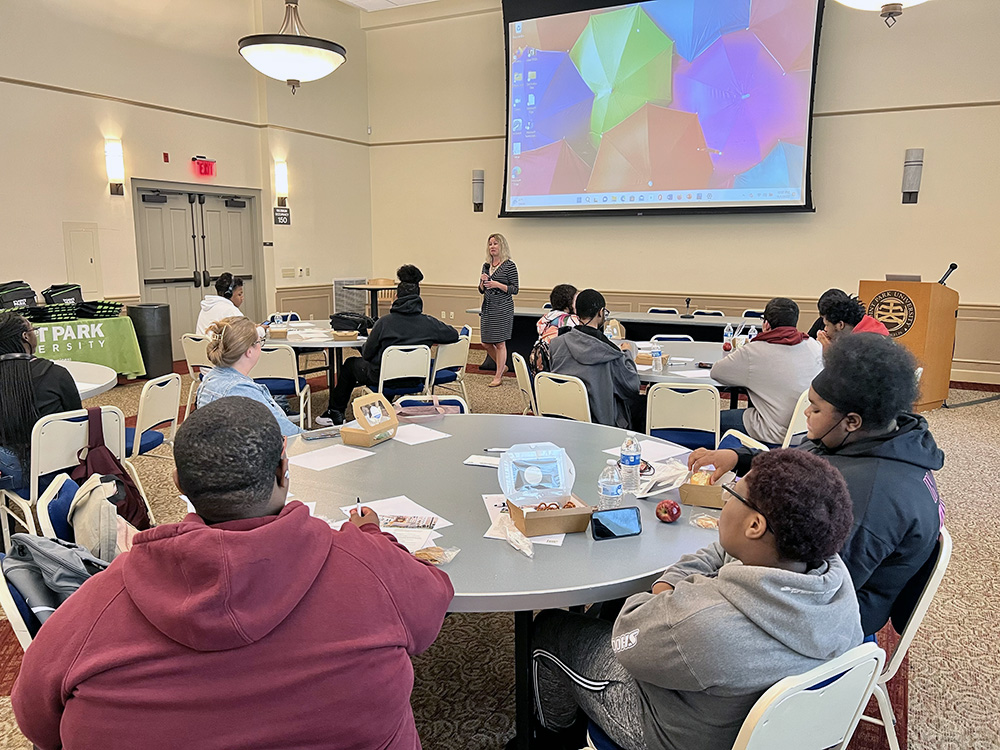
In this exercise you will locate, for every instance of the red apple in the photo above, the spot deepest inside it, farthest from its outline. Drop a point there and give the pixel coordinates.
(668, 511)
(727, 347)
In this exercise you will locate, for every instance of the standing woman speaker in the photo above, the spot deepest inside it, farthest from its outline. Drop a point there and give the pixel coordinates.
(498, 285)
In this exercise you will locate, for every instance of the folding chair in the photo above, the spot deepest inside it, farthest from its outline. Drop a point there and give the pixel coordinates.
(53, 508)
(547, 306)
(285, 317)
(524, 383)
(422, 400)
(672, 337)
(561, 396)
(466, 331)
(753, 314)
(449, 365)
(663, 310)
(731, 437)
(684, 413)
(278, 370)
(932, 572)
(412, 363)
(717, 313)
(19, 614)
(196, 355)
(816, 710)
(797, 426)
(159, 404)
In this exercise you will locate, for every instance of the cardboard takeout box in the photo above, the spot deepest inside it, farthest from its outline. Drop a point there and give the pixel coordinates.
(706, 496)
(562, 521)
(376, 422)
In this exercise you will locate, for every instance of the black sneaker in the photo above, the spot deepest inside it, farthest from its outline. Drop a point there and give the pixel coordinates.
(330, 418)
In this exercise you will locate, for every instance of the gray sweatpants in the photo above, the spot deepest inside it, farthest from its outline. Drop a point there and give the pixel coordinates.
(574, 666)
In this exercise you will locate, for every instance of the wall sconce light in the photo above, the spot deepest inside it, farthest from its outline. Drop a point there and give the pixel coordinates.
(281, 182)
(478, 189)
(114, 162)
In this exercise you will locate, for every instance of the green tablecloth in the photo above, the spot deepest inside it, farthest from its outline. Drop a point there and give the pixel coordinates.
(104, 341)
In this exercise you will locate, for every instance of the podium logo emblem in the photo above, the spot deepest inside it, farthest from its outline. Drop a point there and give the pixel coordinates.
(894, 310)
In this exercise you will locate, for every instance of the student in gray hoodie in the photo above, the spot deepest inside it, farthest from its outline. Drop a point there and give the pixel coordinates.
(683, 665)
(608, 372)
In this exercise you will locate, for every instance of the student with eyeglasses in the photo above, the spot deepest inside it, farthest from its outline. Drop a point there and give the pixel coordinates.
(859, 421)
(234, 349)
(30, 387)
(683, 664)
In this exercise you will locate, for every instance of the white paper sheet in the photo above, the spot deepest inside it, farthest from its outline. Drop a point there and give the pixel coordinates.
(491, 462)
(679, 360)
(400, 505)
(643, 368)
(643, 345)
(328, 457)
(701, 373)
(415, 434)
(654, 451)
(496, 506)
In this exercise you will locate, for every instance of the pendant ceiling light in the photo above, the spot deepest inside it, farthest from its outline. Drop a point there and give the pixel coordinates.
(888, 11)
(292, 55)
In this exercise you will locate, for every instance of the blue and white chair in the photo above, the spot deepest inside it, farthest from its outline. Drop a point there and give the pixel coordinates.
(466, 331)
(449, 366)
(561, 396)
(717, 313)
(753, 314)
(422, 400)
(405, 370)
(278, 370)
(22, 620)
(684, 413)
(663, 310)
(195, 347)
(159, 404)
(53, 509)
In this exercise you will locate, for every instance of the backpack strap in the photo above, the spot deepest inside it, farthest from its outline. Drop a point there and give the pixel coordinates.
(96, 425)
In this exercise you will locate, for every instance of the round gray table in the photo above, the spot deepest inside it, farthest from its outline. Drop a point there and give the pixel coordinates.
(91, 379)
(489, 575)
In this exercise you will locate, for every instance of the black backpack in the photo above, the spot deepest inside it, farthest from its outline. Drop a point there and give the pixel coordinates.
(351, 321)
(16, 294)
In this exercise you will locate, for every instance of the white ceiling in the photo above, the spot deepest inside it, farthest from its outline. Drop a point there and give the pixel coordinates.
(371, 5)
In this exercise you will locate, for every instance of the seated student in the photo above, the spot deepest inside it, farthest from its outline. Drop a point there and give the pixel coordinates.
(562, 298)
(234, 350)
(683, 665)
(608, 372)
(405, 325)
(842, 314)
(250, 624)
(859, 421)
(775, 368)
(225, 304)
(30, 387)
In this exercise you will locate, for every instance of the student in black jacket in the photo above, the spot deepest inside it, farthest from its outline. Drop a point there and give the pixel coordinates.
(859, 421)
(30, 388)
(405, 325)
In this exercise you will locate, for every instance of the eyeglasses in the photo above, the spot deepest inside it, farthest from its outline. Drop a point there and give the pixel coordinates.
(262, 341)
(728, 487)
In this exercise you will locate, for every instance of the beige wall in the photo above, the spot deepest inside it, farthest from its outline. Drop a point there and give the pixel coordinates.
(168, 77)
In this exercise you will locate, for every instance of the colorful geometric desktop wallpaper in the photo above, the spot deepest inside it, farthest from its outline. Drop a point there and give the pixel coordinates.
(709, 96)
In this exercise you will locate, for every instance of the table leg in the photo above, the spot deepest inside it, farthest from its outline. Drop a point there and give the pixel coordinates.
(374, 303)
(523, 689)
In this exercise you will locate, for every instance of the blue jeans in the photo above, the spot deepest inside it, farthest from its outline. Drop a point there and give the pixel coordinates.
(11, 475)
(731, 419)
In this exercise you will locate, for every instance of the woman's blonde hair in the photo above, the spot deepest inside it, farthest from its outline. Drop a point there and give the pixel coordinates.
(504, 247)
(229, 339)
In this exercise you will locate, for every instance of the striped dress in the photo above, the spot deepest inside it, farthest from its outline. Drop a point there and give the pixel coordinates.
(497, 314)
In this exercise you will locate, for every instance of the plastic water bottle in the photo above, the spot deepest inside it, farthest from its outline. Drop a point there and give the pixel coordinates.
(727, 338)
(656, 352)
(609, 487)
(751, 334)
(630, 457)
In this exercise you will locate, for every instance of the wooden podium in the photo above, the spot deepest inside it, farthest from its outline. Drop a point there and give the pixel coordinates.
(921, 315)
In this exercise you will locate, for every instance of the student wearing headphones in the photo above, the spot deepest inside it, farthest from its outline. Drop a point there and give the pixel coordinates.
(225, 304)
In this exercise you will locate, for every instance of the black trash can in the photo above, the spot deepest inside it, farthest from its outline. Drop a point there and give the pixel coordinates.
(152, 328)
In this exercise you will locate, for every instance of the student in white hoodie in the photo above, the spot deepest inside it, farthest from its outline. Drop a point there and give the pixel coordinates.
(682, 666)
(225, 304)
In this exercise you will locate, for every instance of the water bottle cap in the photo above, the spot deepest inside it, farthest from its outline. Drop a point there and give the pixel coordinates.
(612, 462)
(630, 433)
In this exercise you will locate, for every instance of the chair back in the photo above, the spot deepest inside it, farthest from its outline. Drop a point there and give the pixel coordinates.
(931, 573)
(672, 337)
(524, 383)
(466, 331)
(753, 314)
(547, 306)
(561, 396)
(452, 357)
(802, 713)
(405, 362)
(685, 406)
(277, 362)
(425, 400)
(717, 313)
(53, 508)
(663, 310)
(797, 425)
(159, 403)
(195, 352)
(286, 317)
(731, 437)
(22, 621)
(57, 439)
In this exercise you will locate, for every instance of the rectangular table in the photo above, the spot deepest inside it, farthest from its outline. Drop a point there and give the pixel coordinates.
(696, 351)
(300, 343)
(103, 341)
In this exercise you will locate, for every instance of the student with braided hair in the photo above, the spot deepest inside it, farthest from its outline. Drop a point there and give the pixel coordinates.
(30, 388)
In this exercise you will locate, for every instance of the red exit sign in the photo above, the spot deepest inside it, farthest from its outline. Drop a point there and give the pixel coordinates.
(203, 167)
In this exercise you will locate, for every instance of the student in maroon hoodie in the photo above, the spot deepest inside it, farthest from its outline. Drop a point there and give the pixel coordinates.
(250, 624)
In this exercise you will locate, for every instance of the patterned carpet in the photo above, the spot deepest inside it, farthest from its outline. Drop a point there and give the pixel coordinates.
(464, 690)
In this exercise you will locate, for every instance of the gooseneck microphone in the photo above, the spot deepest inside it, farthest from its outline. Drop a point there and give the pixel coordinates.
(947, 273)
(687, 308)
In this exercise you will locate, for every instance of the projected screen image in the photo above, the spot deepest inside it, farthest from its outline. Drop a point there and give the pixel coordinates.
(663, 104)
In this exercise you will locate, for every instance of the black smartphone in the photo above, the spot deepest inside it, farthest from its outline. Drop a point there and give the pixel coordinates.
(705, 365)
(615, 523)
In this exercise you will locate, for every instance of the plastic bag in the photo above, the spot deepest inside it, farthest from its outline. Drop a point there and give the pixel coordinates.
(704, 521)
(530, 473)
(514, 537)
(437, 555)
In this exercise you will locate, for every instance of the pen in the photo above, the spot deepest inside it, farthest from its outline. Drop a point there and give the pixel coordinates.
(496, 450)
(359, 507)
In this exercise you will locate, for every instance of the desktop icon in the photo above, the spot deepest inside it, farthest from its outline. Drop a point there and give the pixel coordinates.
(670, 196)
(642, 198)
(689, 196)
(518, 77)
(579, 199)
(605, 199)
(516, 148)
(631, 199)
(517, 27)
(699, 196)
(515, 172)
(515, 125)
(614, 198)
(531, 100)
(532, 75)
